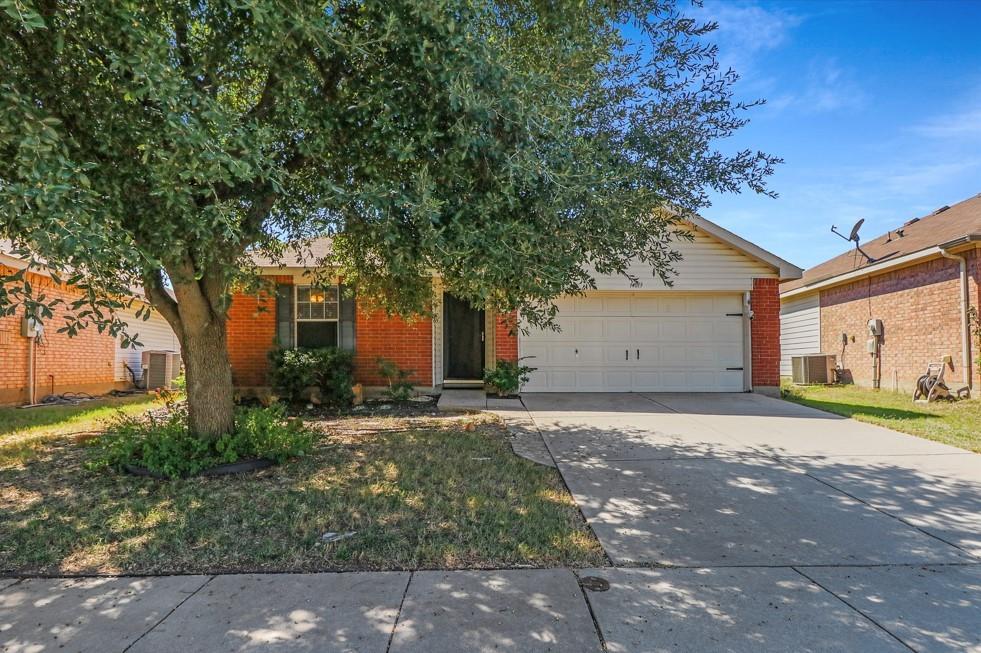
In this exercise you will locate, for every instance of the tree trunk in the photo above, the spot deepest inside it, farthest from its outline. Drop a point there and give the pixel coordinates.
(210, 402)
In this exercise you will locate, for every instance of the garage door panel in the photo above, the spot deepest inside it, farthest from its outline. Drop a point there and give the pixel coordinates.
(618, 328)
(638, 341)
(646, 329)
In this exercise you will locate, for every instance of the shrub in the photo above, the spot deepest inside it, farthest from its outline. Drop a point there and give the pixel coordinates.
(508, 377)
(400, 388)
(329, 369)
(166, 446)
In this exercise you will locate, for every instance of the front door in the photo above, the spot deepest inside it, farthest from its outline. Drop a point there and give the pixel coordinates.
(463, 340)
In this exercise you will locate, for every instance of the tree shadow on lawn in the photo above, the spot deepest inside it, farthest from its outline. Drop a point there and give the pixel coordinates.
(868, 410)
(435, 497)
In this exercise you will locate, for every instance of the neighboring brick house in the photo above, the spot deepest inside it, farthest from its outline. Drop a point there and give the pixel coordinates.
(696, 335)
(923, 278)
(90, 362)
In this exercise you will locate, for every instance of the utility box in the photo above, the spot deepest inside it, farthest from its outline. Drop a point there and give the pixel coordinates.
(29, 327)
(813, 369)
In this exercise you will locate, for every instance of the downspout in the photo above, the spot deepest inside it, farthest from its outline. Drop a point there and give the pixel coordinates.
(747, 342)
(966, 369)
(31, 357)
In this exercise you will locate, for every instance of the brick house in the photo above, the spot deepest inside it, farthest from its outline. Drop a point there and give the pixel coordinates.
(91, 362)
(923, 278)
(716, 329)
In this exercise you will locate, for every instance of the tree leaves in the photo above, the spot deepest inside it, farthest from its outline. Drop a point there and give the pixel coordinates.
(508, 147)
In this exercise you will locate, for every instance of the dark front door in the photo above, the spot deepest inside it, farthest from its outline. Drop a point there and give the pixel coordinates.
(463, 340)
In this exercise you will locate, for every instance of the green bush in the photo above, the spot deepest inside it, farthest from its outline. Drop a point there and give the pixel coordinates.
(508, 377)
(400, 388)
(166, 446)
(329, 369)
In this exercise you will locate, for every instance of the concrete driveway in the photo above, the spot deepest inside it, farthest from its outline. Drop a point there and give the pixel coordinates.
(748, 498)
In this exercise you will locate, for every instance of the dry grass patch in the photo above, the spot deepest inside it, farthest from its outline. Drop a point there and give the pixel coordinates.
(418, 492)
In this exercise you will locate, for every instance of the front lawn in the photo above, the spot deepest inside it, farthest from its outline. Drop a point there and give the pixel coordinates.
(956, 423)
(416, 492)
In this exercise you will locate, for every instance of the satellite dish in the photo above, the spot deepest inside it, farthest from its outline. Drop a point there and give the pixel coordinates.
(853, 238)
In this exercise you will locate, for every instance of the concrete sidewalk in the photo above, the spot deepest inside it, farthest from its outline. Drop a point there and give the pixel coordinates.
(731, 609)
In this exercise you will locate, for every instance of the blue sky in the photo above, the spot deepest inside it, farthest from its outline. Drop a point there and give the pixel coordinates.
(874, 106)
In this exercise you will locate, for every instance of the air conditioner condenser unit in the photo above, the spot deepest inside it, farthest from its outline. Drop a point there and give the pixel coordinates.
(161, 368)
(813, 369)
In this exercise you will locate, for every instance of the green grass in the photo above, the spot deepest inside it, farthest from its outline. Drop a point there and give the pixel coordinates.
(23, 431)
(956, 423)
(419, 493)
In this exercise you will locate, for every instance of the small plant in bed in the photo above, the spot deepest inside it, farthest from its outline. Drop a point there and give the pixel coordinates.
(400, 387)
(507, 378)
(165, 447)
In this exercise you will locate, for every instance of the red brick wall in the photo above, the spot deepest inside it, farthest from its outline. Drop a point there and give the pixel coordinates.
(920, 310)
(765, 332)
(251, 333)
(84, 363)
(409, 344)
(506, 337)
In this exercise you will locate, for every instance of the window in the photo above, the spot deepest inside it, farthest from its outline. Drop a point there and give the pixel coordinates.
(316, 316)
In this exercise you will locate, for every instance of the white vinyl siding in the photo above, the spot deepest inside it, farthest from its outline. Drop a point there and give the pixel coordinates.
(707, 265)
(154, 334)
(800, 329)
(641, 342)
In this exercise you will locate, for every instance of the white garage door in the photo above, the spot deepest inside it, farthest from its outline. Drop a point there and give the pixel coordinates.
(641, 342)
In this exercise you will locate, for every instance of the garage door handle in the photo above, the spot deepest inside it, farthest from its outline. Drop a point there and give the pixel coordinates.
(734, 369)
(638, 354)
(626, 354)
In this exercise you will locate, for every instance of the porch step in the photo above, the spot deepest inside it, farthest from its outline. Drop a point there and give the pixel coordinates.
(462, 400)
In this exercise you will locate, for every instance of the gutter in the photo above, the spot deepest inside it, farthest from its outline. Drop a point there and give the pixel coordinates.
(867, 271)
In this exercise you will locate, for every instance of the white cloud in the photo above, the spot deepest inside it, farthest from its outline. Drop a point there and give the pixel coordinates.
(826, 87)
(745, 31)
(963, 124)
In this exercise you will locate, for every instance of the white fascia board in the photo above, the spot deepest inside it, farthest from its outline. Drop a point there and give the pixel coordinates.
(16, 263)
(868, 271)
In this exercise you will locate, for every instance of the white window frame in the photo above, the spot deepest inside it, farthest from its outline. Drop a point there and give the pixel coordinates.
(296, 309)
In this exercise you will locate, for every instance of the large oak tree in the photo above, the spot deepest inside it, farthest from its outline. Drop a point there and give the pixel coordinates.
(507, 146)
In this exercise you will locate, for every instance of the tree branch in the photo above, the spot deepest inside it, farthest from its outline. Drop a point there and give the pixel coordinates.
(161, 300)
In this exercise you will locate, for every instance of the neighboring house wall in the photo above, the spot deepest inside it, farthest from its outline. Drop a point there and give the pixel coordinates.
(920, 310)
(800, 329)
(765, 302)
(84, 363)
(707, 264)
(152, 334)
